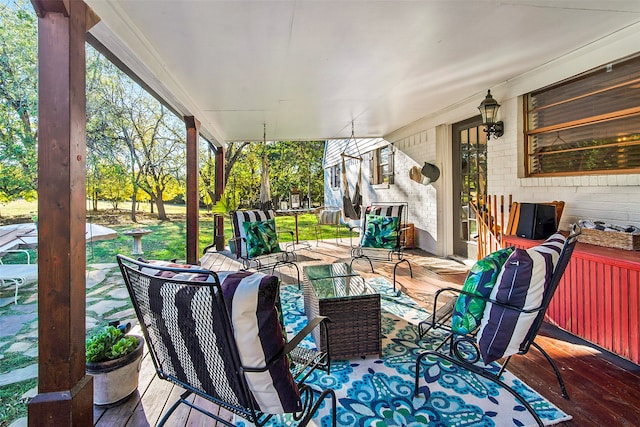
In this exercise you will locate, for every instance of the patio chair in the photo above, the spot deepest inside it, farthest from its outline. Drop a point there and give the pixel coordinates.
(10, 241)
(219, 337)
(499, 311)
(382, 236)
(328, 215)
(18, 275)
(256, 241)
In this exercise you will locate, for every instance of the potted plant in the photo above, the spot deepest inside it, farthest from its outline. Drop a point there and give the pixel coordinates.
(113, 359)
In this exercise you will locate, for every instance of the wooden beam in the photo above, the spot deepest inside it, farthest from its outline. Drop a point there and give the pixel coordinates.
(193, 195)
(65, 392)
(219, 189)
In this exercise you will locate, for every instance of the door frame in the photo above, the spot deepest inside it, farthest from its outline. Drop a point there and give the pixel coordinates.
(459, 247)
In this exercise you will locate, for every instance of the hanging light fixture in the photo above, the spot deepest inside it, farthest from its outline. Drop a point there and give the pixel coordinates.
(489, 112)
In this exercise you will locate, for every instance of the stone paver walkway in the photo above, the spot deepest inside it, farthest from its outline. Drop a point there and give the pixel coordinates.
(107, 300)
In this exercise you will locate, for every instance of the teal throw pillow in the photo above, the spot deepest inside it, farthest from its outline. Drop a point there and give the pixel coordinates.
(381, 232)
(261, 237)
(481, 279)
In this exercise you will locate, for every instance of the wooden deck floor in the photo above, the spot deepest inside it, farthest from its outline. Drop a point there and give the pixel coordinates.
(604, 390)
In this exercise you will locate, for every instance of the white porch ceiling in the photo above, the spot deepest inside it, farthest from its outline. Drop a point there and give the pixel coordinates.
(308, 68)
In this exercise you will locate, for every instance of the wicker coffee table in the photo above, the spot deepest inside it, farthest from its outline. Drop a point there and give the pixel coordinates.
(337, 291)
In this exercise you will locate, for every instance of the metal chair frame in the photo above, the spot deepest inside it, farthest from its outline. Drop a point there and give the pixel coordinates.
(462, 350)
(216, 326)
(266, 261)
(394, 255)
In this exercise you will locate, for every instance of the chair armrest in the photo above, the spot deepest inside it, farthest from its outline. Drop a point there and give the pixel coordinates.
(486, 299)
(304, 332)
(292, 344)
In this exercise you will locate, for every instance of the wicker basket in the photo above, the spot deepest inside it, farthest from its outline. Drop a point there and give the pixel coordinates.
(611, 239)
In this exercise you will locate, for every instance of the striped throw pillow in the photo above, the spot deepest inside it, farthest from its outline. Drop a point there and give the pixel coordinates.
(522, 284)
(251, 299)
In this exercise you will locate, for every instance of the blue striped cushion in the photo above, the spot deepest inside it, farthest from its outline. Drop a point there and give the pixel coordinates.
(521, 283)
(251, 298)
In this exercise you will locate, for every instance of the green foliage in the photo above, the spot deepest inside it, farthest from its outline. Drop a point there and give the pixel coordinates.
(12, 405)
(18, 101)
(108, 344)
(134, 144)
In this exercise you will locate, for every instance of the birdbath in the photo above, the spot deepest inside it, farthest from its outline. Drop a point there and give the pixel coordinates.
(137, 239)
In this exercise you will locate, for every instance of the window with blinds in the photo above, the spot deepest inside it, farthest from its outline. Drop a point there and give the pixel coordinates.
(587, 124)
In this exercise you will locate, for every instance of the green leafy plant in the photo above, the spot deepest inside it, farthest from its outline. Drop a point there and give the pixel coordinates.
(108, 344)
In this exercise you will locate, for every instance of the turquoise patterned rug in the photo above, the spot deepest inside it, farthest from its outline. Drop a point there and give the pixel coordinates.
(378, 392)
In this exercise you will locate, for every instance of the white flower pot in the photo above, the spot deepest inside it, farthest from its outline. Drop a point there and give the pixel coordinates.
(114, 381)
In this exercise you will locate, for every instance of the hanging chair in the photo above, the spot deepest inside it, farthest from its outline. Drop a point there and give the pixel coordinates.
(351, 207)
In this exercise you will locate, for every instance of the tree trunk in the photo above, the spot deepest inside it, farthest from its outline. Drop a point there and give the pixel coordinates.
(133, 206)
(162, 215)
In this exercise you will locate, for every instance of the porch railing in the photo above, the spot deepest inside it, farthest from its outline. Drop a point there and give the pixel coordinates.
(492, 214)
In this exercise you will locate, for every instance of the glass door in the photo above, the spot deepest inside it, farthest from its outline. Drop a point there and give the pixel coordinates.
(469, 182)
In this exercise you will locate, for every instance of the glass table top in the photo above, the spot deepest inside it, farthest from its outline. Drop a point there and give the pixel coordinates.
(336, 281)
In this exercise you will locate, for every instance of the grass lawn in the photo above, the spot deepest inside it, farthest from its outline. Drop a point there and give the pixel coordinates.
(167, 238)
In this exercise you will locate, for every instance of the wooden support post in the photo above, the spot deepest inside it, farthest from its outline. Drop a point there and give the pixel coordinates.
(193, 195)
(219, 182)
(65, 392)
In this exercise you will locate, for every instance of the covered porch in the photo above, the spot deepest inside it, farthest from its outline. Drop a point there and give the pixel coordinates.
(602, 387)
(409, 95)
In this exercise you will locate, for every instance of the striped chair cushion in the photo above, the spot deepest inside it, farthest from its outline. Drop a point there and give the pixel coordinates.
(521, 283)
(253, 304)
(175, 275)
(329, 217)
(239, 218)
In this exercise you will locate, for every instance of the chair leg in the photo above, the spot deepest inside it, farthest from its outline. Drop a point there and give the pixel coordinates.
(288, 263)
(563, 389)
(309, 407)
(394, 273)
(370, 263)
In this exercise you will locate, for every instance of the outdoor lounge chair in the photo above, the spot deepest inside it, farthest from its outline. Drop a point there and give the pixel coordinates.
(382, 236)
(499, 311)
(18, 275)
(10, 240)
(219, 336)
(256, 242)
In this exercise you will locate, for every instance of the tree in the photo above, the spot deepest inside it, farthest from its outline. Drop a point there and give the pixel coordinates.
(129, 127)
(18, 101)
